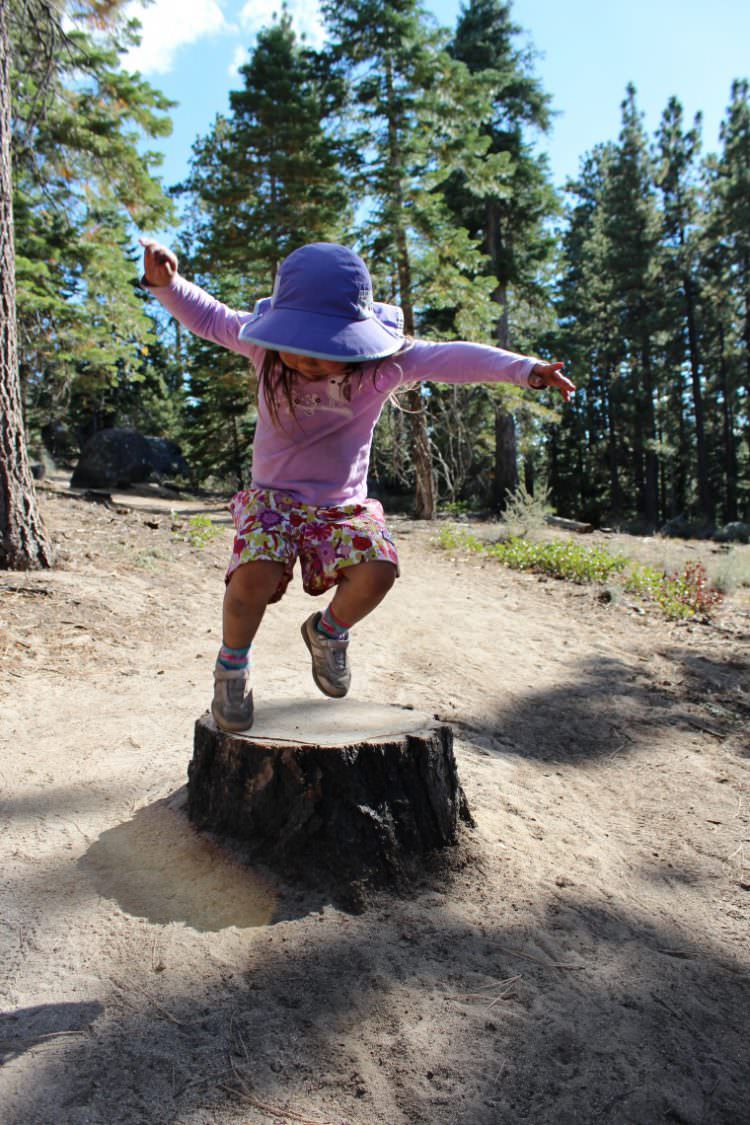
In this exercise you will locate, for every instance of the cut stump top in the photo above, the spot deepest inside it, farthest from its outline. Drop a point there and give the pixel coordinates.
(331, 722)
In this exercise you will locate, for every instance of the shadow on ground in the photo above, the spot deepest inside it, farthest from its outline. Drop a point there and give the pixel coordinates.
(639, 1026)
(609, 708)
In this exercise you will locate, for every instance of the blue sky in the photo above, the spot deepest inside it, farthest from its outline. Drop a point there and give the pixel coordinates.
(588, 51)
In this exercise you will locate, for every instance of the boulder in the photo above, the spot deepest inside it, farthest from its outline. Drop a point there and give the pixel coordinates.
(117, 458)
(736, 532)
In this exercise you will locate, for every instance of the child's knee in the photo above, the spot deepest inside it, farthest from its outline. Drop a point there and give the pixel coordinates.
(253, 583)
(376, 575)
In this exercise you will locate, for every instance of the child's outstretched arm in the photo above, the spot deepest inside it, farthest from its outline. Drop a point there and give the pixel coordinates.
(159, 263)
(197, 310)
(551, 375)
(459, 361)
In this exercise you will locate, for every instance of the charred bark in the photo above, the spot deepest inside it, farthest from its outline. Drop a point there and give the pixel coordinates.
(23, 540)
(369, 810)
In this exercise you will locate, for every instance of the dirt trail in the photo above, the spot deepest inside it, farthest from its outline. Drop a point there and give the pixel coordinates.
(591, 964)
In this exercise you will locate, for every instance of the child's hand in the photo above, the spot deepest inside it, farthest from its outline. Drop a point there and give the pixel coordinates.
(159, 264)
(551, 375)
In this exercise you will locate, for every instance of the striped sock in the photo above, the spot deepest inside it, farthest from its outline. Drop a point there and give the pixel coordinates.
(330, 626)
(234, 657)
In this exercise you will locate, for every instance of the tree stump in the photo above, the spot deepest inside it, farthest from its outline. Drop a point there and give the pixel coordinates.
(351, 789)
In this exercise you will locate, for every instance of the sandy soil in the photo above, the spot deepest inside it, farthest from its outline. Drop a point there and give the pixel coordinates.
(591, 964)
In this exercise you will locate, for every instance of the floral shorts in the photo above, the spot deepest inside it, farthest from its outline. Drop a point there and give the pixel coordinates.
(274, 527)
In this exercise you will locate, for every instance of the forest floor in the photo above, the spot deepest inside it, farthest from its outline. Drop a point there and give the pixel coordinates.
(590, 963)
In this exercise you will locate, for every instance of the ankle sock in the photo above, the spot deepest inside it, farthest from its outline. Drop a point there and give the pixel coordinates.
(234, 657)
(330, 626)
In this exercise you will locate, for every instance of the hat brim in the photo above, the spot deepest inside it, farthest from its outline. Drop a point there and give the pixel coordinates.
(322, 337)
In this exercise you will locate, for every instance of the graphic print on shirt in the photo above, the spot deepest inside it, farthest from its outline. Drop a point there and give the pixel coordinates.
(334, 399)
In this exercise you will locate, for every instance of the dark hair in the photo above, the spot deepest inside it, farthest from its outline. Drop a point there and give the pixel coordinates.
(275, 379)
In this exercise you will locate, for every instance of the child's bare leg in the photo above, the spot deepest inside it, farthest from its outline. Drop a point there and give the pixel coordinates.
(361, 588)
(248, 592)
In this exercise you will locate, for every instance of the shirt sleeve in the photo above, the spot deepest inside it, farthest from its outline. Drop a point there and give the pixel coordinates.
(462, 362)
(203, 315)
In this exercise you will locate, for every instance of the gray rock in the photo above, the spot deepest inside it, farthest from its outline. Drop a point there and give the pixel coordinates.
(737, 532)
(117, 458)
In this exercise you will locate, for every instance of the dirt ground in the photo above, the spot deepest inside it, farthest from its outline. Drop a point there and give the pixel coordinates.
(591, 963)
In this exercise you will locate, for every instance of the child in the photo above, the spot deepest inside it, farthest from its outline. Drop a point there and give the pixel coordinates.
(327, 358)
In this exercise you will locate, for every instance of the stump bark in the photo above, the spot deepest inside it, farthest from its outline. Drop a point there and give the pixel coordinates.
(353, 790)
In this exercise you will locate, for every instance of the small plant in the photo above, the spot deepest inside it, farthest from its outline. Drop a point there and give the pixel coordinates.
(558, 559)
(525, 514)
(732, 571)
(452, 538)
(199, 531)
(679, 596)
(455, 507)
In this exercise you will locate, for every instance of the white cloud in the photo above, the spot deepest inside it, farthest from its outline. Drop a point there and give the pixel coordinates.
(168, 25)
(238, 58)
(306, 18)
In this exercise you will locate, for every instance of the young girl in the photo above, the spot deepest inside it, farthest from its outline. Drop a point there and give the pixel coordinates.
(327, 358)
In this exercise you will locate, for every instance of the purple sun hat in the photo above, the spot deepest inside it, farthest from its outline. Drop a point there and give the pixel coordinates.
(322, 306)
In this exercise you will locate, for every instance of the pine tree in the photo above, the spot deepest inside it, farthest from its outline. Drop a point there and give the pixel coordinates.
(419, 109)
(678, 152)
(510, 222)
(80, 182)
(631, 230)
(588, 451)
(268, 178)
(24, 543)
(729, 238)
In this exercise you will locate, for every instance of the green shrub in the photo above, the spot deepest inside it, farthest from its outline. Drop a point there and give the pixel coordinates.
(524, 514)
(198, 531)
(679, 596)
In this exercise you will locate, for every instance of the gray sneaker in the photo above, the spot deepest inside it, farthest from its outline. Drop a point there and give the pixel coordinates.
(231, 707)
(330, 667)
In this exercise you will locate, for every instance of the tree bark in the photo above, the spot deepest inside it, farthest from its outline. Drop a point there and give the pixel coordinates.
(23, 540)
(368, 810)
(704, 485)
(506, 460)
(424, 477)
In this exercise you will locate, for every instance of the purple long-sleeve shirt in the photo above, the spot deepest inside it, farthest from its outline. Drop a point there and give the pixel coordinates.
(322, 453)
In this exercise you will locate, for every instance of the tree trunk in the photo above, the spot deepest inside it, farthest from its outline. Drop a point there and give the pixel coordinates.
(613, 456)
(729, 442)
(506, 458)
(651, 494)
(368, 802)
(23, 540)
(424, 484)
(704, 487)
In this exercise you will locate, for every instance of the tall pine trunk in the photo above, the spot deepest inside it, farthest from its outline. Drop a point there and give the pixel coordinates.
(506, 464)
(704, 486)
(730, 444)
(23, 540)
(651, 484)
(505, 480)
(424, 478)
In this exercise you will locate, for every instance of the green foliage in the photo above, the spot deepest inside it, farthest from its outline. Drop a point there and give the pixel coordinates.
(558, 558)
(525, 513)
(81, 178)
(654, 308)
(679, 596)
(199, 530)
(267, 178)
